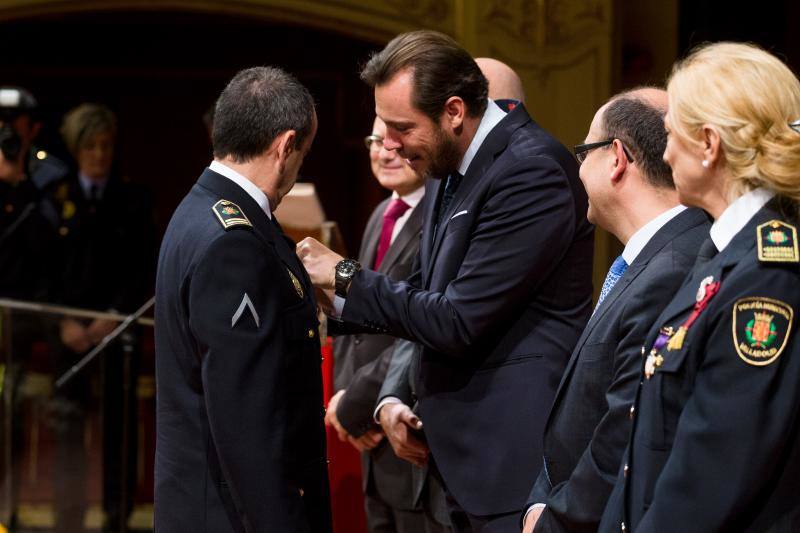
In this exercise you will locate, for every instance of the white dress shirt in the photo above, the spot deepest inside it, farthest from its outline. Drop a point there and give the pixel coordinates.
(639, 240)
(248, 186)
(411, 200)
(737, 215)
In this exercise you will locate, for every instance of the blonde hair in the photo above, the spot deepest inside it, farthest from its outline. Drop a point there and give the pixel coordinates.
(82, 123)
(749, 96)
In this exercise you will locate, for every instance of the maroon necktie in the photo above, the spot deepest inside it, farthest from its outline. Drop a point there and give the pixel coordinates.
(394, 210)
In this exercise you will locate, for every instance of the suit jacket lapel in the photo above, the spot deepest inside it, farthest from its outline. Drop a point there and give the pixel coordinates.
(407, 235)
(372, 233)
(742, 243)
(493, 144)
(679, 224)
(433, 191)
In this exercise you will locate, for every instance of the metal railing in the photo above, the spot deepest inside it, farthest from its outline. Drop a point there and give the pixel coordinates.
(7, 309)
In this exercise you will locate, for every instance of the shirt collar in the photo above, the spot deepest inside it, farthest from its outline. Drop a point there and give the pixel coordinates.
(639, 240)
(412, 198)
(248, 186)
(87, 184)
(737, 215)
(491, 117)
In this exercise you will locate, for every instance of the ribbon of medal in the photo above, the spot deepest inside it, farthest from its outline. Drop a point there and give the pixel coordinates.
(672, 339)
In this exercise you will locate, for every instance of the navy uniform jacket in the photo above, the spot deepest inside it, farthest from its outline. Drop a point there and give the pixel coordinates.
(714, 444)
(588, 426)
(501, 296)
(240, 437)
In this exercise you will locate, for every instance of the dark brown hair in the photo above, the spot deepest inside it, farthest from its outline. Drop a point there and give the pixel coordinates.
(441, 69)
(639, 124)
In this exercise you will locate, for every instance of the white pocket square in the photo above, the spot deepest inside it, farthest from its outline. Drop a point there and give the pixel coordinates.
(464, 212)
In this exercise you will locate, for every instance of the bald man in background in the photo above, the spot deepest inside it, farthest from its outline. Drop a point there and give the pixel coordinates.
(505, 86)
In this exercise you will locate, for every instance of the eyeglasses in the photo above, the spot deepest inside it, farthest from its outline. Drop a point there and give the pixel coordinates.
(582, 150)
(373, 142)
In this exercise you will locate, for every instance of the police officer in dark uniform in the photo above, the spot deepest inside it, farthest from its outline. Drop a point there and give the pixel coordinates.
(26, 244)
(715, 444)
(106, 258)
(25, 236)
(240, 443)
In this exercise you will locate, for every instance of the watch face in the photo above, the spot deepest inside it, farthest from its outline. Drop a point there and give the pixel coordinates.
(346, 268)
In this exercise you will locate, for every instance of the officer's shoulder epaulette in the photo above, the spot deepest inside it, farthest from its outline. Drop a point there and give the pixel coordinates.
(777, 242)
(230, 215)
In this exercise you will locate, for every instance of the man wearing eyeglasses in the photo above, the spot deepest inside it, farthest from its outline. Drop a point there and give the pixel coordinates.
(631, 195)
(399, 498)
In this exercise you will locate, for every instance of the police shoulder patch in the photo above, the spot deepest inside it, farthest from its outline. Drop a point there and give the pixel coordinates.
(777, 242)
(230, 215)
(761, 328)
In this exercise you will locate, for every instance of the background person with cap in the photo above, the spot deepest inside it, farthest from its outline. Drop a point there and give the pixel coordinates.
(19, 113)
(27, 243)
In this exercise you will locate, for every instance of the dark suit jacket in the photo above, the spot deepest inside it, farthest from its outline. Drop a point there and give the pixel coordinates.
(588, 426)
(240, 438)
(361, 362)
(501, 296)
(715, 438)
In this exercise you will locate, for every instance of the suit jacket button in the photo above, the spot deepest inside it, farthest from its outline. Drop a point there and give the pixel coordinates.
(623, 527)
(633, 410)
(625, 470)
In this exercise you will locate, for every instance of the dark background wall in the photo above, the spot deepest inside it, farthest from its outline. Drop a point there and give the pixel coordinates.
(161, 71)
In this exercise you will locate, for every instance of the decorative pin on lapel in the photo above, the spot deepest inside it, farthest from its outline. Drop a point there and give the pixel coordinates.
(296, 282)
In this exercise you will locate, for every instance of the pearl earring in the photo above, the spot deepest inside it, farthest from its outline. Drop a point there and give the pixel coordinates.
(705, 163)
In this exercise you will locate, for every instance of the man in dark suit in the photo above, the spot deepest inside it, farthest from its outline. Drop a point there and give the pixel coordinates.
(631, 195)
(503, 289)
(240, 435)
(396, 497)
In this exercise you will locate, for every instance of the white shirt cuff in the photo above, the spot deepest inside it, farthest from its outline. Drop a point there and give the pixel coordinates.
(532, 508)
(338, 306)
(385, 401)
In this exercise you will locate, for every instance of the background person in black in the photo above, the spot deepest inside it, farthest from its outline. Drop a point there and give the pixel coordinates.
(106, 256)
(27, 241)
(715, 444)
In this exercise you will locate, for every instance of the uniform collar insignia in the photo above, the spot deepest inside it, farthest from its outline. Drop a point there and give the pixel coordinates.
(230, 215)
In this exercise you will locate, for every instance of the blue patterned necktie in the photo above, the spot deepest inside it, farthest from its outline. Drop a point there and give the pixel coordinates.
(618, 268)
